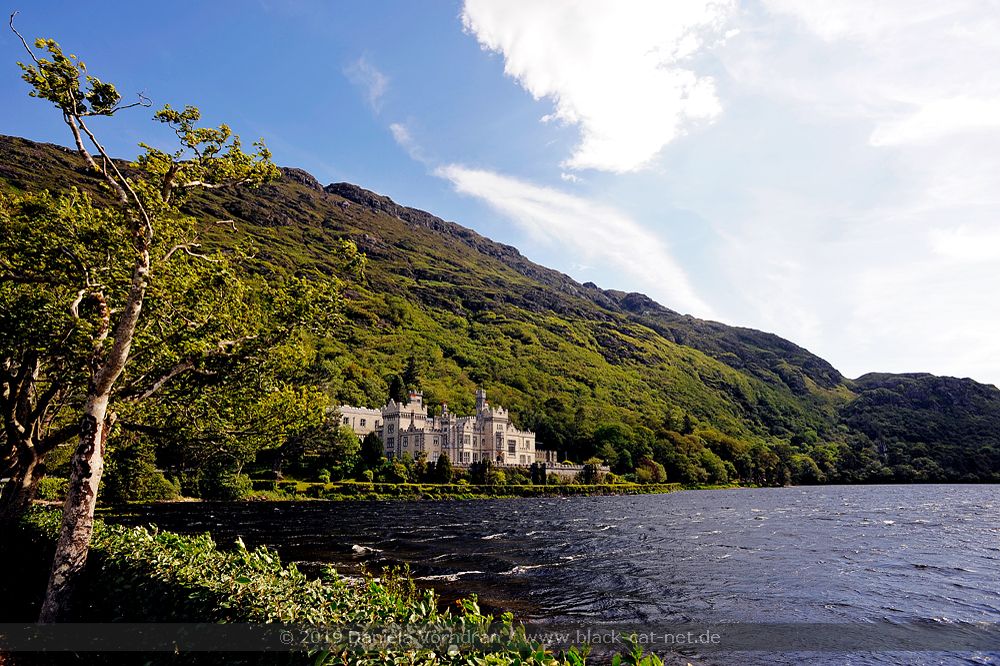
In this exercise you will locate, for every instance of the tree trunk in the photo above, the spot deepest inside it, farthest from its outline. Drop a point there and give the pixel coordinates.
(16, 496)
(86, 467)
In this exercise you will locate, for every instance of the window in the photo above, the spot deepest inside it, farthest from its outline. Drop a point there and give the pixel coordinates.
(468, 439)
(390, 441)
(391, 427)
(511, 446)
(364, 422)
(524, 460)
(405, 440)
(347, 420)
(465, 456)
(499, 427)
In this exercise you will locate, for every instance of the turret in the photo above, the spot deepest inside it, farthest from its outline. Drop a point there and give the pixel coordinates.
(480, 400)
(416, 398)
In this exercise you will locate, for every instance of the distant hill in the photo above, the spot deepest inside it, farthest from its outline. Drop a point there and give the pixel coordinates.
(594, 371)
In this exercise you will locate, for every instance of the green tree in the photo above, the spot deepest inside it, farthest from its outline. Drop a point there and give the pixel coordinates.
(411, 373)
(650, 471)
(107, 310)
(713, 466)
(479, 471)
(131, 474)
(420, 466)
(397, 472)
(372, 451)
(328, 444)
(687, 425)
(589, 475)
(397, 389)
(442, 469)
(495, 477)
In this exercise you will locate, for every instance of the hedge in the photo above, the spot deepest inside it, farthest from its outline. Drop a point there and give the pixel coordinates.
(366, 490)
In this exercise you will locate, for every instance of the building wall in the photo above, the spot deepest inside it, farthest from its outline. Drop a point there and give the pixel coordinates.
(361, 419)
(486, 435)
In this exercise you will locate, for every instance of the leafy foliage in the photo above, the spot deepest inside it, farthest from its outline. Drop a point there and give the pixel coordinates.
(151, 576)
(597, 374)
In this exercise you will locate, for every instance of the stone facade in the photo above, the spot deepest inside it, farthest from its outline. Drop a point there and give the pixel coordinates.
(489, 434)
(361, 419)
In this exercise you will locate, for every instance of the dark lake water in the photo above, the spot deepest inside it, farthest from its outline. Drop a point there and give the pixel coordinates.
(828, 555)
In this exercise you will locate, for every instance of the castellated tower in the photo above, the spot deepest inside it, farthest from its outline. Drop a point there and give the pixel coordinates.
(406, 429)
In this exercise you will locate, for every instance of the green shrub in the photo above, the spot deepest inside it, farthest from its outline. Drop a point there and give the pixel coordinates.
(131, 475)
(51, 488)
(151, 576)
(226, 485)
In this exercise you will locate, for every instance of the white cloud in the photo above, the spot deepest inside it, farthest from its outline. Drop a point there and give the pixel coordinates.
(854, 178)
(589, 232)
(622, 71)
(370, 79)
(936, 119)
(966, 245)
(866, 227)
(913, 67)
(401, 135)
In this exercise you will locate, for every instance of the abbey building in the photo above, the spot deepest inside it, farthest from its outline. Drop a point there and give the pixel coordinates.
(406, 428)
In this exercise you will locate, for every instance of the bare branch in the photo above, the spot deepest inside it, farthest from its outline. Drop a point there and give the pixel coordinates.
(26, 47)
(82, 149)
(143, 102)
(60, 436)
(186, 248)
(43, 402)
(74, 307)
(213, 186)
(121, 183)
(178, 369)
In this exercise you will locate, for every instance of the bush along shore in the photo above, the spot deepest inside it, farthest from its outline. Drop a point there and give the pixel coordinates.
(52, 489)
(145, 575)
(350, 490)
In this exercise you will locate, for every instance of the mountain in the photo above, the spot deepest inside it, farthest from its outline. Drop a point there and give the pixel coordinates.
(592, 370)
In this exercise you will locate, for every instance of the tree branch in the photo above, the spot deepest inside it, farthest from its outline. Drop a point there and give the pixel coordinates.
(43, 402)
(186, 248)
(60, 436)
(31, 53)
(178, 369)
(143, 101)
(213, 186)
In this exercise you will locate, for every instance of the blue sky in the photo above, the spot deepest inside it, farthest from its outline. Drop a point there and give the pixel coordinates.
(827, 170)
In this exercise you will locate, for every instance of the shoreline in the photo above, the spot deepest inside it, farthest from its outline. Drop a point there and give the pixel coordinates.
(584, 491)
(364, 491)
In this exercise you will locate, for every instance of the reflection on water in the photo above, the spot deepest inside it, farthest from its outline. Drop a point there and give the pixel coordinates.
(829, 554)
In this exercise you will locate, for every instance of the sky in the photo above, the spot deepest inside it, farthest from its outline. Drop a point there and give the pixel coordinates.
(827, 170)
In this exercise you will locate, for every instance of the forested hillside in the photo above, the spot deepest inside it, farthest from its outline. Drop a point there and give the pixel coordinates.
(595, 372)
